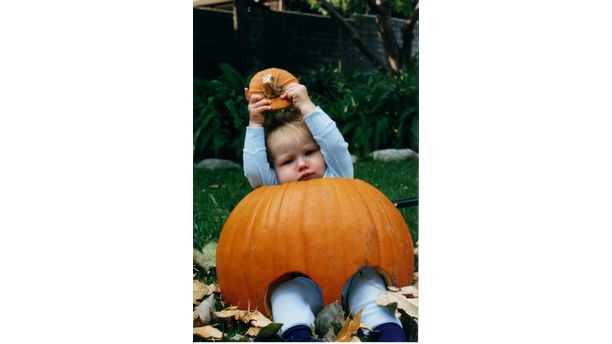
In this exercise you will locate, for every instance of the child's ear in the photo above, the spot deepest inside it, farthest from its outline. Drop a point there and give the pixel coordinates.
(246, 94)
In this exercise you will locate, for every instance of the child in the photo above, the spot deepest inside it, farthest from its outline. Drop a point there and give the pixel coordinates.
(298, 146)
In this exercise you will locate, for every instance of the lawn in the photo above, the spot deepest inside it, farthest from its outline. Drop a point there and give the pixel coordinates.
(216, 193)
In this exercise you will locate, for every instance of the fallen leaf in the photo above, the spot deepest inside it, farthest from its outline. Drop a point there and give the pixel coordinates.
(409, 290)
(253, 331)
(410, 306)
(207, 257)
(207, 332)
(256, 317)
(349, 328)
(269, 332)
(199, 291)
(239, 338)
(332, 313)
(203, 313)
(259, 320)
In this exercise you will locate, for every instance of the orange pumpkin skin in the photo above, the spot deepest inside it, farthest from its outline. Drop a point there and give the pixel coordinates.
(279, 78)
(324, 228)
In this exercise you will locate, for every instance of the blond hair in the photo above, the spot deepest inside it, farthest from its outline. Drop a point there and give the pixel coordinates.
(283, 127)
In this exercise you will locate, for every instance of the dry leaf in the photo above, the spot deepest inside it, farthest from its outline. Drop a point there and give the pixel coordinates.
(410, 306)
(213, 288)
(259, 320)
(199, 291)
(207, 332)
(207, 257)
(256, 317)
(203, 313)
(409, 290)
(349, 328)
(330, 314)
(253, 331)
(268, 333)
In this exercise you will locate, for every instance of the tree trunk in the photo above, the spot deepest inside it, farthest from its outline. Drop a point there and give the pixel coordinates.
(359, 42)
(408, 35)
(385, 32)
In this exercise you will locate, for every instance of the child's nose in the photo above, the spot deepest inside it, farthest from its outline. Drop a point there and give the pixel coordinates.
(302, 163)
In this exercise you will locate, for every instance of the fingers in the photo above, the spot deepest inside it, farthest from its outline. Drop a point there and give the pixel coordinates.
(294, 92)
(258, 107)
(290, 90)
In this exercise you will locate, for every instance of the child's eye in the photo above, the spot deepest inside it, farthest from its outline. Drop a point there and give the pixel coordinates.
(286, 162)
(310, 152)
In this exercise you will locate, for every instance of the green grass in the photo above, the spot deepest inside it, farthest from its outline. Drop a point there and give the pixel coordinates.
(216, 193)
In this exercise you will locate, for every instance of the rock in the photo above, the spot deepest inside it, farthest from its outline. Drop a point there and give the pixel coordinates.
(393, 154)
(214, 164)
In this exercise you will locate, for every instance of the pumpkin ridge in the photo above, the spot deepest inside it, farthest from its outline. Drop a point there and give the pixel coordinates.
(348, 204)
(258, 232)
(384, 260)
(372, 229)
(393, 235)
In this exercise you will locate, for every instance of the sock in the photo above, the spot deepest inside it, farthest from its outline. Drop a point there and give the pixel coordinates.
(388, 332)
(299, 333)
(296, 302)
(361, 291)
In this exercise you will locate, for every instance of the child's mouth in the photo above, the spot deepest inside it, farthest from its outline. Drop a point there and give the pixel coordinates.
(307, 176)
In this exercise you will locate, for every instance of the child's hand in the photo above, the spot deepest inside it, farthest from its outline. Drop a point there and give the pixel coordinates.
(298, 95)
(258, 105)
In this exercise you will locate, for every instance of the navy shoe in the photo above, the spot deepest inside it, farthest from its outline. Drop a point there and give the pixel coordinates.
(388, 332)
(299, 333)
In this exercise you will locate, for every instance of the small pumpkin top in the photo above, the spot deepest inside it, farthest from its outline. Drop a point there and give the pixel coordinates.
(271, 83)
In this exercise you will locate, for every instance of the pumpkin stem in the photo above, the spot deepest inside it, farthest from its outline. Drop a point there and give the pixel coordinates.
(271, 88)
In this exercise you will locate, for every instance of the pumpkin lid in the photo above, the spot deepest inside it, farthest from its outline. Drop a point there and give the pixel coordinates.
(271, 83)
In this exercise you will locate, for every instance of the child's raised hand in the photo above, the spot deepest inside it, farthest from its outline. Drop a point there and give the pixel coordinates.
(298, 95)
(258, 105)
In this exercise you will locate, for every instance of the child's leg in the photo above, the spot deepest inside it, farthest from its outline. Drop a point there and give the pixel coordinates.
(360, 292)
(294, 304)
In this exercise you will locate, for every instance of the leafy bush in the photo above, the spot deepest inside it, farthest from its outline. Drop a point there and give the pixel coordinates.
(373, 111)
(219, 116)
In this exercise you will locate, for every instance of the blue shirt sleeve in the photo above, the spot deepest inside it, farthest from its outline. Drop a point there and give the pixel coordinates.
(333, 147)
(255, 161)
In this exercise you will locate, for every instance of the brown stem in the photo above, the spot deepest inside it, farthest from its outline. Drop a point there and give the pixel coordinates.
(385, 32)
(408, 34)
(354, 36)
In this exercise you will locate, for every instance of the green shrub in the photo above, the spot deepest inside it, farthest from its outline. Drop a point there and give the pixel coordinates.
(219, 116)
(373, 111)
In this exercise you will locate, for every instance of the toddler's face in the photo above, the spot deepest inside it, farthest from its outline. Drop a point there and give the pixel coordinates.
(297, 160)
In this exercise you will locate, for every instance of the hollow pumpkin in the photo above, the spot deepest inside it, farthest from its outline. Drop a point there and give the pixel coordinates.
(325, 228)
(272, 83)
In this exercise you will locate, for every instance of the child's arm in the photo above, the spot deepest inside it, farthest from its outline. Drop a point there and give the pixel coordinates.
(324, 131)
(255, 161)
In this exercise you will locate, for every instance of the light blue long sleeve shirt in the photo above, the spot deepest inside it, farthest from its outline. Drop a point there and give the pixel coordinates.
(323, 129)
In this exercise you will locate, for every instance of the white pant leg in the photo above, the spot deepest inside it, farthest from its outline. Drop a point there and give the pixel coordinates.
(361, 292)
(296, 302)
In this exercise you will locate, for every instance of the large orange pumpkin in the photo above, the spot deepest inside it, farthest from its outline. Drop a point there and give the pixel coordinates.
(324, 228)
(272, 83)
